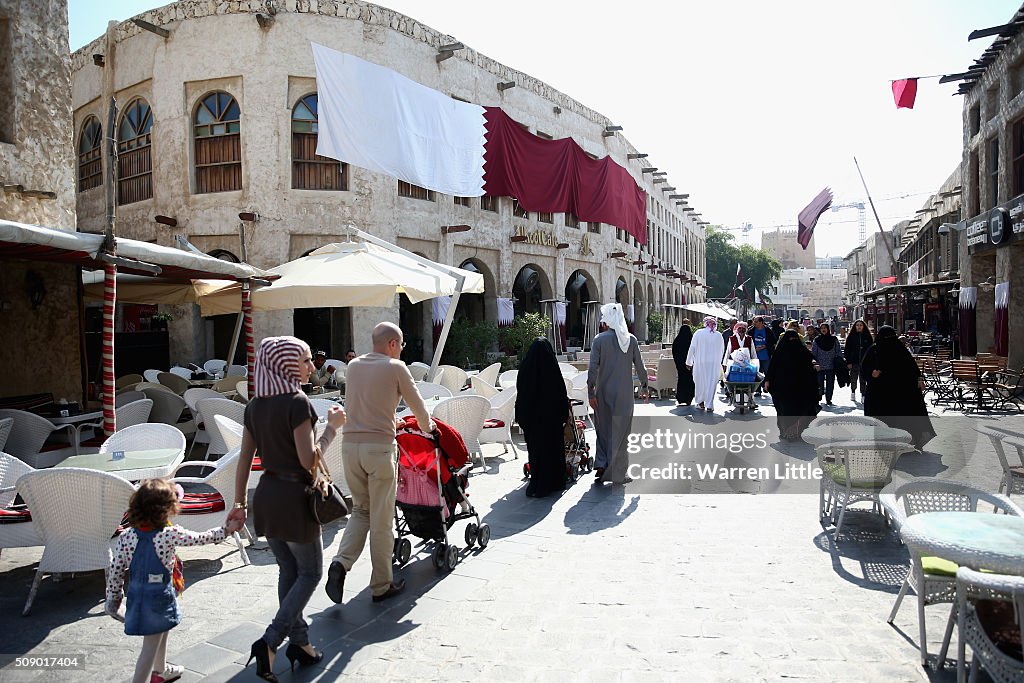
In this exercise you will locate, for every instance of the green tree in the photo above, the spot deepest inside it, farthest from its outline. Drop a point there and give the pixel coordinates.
(468, 343)
(722, 256)
(525, 328)
(655, 326)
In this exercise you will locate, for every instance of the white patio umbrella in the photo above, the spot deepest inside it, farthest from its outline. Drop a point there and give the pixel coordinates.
(708, 308)
(370, 272)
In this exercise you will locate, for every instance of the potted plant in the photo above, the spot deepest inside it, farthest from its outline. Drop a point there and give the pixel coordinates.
(159, 321)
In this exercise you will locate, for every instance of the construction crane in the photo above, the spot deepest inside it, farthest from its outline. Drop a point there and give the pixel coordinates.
(862, 218)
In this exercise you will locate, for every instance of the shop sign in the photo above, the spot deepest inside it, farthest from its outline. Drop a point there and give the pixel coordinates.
(1016, 210)
(998, 226)
(544, 238)
(977, 232)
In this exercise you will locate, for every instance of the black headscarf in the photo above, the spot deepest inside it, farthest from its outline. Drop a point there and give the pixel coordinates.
(681, 345)
(541, 398)
(857, 343)
(825, 341)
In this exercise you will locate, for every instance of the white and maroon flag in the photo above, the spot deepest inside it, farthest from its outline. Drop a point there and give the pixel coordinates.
(378, 119)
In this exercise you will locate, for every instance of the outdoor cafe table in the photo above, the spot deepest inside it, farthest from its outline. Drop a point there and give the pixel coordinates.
(95, 416)
(136, 465)
(819, 436)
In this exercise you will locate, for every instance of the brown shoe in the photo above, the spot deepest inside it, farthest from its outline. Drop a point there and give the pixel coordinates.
(394, 589)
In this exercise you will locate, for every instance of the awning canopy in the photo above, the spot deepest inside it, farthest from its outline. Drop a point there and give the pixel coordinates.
(346, 274)
(708, 308)
(139, 289)
(34, 242)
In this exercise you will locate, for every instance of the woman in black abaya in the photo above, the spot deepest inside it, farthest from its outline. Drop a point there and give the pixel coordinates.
(680, 347)
(895, 387)
(542, 407)
(793, 383)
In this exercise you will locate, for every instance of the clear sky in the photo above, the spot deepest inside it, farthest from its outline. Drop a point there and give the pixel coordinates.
(752, 107)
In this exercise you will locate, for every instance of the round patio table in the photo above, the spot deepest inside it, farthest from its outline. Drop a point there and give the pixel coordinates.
(819, 436)
(135, 466)
(972, 539)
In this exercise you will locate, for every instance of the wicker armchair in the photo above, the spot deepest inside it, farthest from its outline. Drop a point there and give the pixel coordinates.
(826, 420)
(28, 436)
(333, 460)
(490, 373)
(1013, 475)
(134, 413)
(419, 371)
(238, 370)
(466, 414)
(665, 378)
(853, 472)
(174, 382)
(933, 579)
(322, 405)
(213, 366)
(128, 396)
(503, 409)
(18, 531)
(75, 512)
(192, 398)
(230, 431)
(453, 379)
(144, 437)
(972, 586)
(508, 378)
(201, 511)
(209, 408)
(228, 384)
(10, 469)
(152, 376)
(480, 387)
(5, 430)
(184, 373)
(167, 406)
(128, 381)
(243, 390)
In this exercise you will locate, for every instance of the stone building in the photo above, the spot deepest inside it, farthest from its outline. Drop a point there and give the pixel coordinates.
(211, 128)
(868, 268)
(783, 246)
(809, 292)
(991, 300)
(38, 300)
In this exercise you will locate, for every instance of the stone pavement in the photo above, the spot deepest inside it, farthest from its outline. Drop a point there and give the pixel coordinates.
(599, 584)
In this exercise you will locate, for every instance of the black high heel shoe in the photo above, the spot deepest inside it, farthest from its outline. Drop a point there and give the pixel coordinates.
(294, 653)
(261, 653)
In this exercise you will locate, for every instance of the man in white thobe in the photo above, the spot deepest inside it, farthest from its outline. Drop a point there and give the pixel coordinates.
(705, 361)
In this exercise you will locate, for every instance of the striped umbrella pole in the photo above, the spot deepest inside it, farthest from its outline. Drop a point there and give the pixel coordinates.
(109, 300)
(250, 342)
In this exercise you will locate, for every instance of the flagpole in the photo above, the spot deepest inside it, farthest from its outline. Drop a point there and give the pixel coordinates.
(885, 238)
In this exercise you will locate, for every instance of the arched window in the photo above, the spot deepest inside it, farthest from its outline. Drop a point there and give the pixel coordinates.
(311, 171)
(90, 155)
(134, 161)
(216, 128)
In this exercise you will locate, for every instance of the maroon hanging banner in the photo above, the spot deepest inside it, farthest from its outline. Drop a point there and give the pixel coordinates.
(557, 176)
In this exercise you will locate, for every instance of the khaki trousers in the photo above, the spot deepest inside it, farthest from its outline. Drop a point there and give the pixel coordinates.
(371, 475)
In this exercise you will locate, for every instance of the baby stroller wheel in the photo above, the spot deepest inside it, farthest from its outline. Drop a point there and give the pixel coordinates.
(404, 550)
(471, 530)
(451, 557)
(438, 556)
(483, 535)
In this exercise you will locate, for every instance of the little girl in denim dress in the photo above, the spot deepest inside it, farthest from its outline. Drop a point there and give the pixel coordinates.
(145, 556)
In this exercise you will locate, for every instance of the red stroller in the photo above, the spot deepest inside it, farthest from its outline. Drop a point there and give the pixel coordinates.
(433, 474)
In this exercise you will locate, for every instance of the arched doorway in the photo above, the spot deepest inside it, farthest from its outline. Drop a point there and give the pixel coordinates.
(580, 288)
(819, 314)
(624, 298)
(477, 308)
(324, 329)
(639, 310)
(530, 286)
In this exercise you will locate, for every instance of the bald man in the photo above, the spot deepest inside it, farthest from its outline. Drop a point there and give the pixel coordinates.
(375, 383)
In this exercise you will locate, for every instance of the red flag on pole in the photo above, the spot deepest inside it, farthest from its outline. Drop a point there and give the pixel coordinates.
(904, 91)
(808, 218)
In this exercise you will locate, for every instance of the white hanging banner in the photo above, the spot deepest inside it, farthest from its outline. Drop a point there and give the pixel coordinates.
(506, 312)
(1002, 295)
(378, 119)
(559, 312)
(630, 313)
(439, 308)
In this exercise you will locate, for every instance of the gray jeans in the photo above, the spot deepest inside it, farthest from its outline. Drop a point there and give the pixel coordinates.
(300, 566)
(857, 378)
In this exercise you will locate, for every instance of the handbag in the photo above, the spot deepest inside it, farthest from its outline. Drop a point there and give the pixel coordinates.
(325, 500)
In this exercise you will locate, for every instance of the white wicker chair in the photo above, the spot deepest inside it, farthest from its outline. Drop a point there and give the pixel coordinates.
(227, 384)
(490, 373)
(333, 460)
(142, 386)
(508, 378)
(75, 512)
(167, 406)
(230, 431)
(576, 386)
(174, 382)
(238, 370)
(419, 371)
(184, 373)
(28, 435)
(144, 437)
(971, 586)
(5, 430)
(128, 381)
(134, 413)
(665, 377)
(826, 420)
(503, 407)
(1013, 475)
(214, 366)
(126, 397)
(192, 398)
(480, 387)
(430, 389)
(17, 534)
(152, 376)
(243, 390)
(932, 579)
(209, 408)
(322, 405)
(222, 480)
(466, 414)
(454, 378)
(855, 471)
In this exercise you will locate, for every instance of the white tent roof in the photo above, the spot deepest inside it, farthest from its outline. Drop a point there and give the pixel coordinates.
(346, 274)
(709, 308)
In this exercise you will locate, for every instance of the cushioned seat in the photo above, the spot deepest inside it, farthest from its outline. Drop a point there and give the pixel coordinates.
(493, 423)
(15, 514)
(936, 566)
(201, 503)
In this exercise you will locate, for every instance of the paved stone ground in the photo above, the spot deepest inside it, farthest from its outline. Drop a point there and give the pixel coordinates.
(599, 584)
